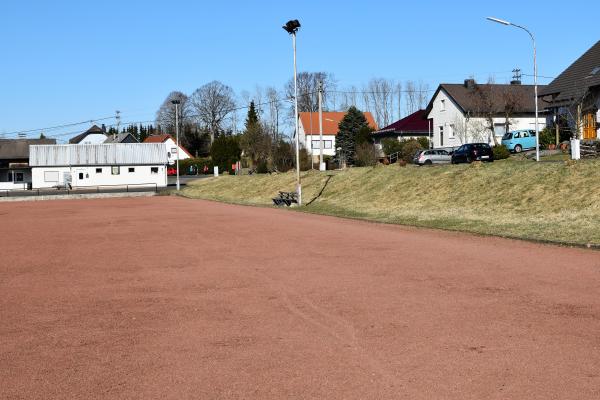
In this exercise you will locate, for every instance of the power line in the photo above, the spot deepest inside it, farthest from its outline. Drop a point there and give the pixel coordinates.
(59, 126)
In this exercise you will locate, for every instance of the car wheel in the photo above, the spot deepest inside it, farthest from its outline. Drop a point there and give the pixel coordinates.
(428, 162)
(469, 160)
(518, 148)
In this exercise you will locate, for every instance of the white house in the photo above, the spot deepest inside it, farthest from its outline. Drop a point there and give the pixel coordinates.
(308, 131)
(170, 147)
(113, 164)
(94, 135)
(458, 112)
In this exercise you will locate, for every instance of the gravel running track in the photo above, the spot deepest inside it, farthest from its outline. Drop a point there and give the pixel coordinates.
(170, 298)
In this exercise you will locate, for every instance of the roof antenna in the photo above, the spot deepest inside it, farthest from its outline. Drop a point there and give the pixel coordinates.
(118, 118)
(516, 79)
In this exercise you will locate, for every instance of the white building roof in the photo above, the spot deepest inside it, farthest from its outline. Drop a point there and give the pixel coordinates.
(97, 154)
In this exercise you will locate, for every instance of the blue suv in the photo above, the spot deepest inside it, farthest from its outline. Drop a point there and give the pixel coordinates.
(520, 140)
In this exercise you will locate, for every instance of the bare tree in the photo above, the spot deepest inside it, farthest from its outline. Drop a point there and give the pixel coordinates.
(212, 103)
(165, 116)
(462, 128)
(422, 95)
(380, 93)
(511, 103)
(411, 97)
(483, 101)
(399, 94)
(274, 109)
(308, 90)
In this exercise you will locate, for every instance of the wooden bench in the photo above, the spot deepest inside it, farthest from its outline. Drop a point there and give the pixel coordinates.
(285, 199)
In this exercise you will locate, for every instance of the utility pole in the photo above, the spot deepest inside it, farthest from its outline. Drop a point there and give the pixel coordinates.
(321, 168)
(176, 103)
(118, 118)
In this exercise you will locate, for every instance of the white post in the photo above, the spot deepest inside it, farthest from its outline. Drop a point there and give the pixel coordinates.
(177, 141)
(298, 184)
(430, 138)
(321, 166)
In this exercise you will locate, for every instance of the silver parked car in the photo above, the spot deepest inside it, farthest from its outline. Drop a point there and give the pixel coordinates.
(428, 157)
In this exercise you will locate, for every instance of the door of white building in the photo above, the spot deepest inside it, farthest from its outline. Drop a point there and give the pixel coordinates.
(81, 177)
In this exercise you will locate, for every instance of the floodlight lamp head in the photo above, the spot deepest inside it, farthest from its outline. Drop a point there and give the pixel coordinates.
(292, 26)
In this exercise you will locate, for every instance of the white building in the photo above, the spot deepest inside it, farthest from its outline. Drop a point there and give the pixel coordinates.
(170, 147)
(114, 164)
(456, 111)
(308, 131)
(94, 135)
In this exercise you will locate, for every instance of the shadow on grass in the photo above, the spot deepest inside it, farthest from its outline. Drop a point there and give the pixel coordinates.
(320, 192)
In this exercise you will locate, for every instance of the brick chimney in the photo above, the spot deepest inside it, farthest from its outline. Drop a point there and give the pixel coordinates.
(469, 83)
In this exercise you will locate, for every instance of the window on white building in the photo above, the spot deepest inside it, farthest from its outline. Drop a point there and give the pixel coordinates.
(173, 150)
(19, 177)
(326, 144)
(499, 129)
(98, 170)
(443, 105)
(154, 170)
(115, 170)
(441, 135)
(50, 176)
(451, 131)
(131, 169)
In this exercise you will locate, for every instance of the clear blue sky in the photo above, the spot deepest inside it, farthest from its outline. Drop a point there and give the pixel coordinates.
(67, 61)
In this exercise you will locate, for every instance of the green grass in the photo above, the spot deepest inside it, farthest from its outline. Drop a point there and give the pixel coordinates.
(556, 202)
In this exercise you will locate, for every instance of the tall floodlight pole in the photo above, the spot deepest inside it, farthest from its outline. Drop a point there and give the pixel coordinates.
(321, 125)
(292, 27)
(535, 89)
(176, 103)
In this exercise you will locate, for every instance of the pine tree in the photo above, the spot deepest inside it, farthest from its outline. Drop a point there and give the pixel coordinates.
(254, 141)
(252, 117)
(349, 129)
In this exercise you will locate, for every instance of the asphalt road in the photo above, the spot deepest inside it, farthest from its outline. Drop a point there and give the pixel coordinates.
(172, 298)
(184, 179)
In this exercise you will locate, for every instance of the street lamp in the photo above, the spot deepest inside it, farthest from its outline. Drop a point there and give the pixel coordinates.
(537, 130)
(176, 102)
(292, 27)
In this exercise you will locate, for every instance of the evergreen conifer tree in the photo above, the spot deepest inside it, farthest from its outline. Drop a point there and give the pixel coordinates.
(349, 129)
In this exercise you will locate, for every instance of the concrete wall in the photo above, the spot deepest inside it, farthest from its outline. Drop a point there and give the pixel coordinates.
(101, 175)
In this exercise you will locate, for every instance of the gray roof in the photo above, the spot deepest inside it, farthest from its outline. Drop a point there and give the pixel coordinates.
(123, 137)
(18, 149)
(573, 82)
(98, 154)
(466, 97)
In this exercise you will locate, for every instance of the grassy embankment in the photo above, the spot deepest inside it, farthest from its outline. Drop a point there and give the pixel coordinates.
(556, 202)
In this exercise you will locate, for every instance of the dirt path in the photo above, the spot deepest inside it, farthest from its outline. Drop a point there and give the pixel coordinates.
(172, 298)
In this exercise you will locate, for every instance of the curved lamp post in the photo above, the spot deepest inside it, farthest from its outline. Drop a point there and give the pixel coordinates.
(537, 131)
